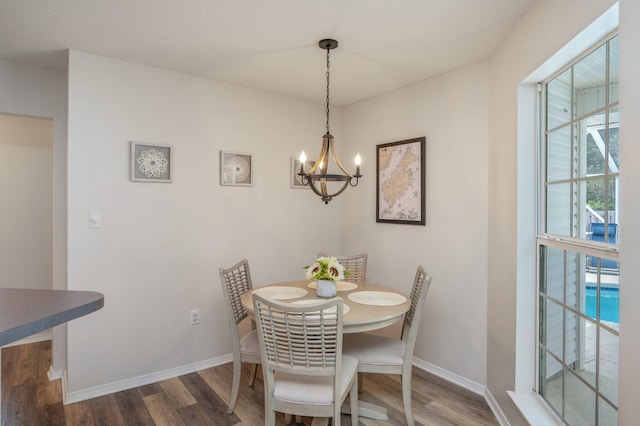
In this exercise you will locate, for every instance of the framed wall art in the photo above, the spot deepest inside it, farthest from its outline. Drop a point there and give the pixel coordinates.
(236, 169)
(400, 182)
(296, 181)
(151, 163)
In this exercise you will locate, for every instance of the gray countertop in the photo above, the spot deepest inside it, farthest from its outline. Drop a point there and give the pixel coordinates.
(24, 312)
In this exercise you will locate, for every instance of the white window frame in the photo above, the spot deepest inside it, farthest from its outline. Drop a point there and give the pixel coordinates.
(578, 245)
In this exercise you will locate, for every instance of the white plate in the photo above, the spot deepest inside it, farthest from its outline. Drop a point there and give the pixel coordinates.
(280, 292)
(345, 307)
(377, 298)
(342, 285)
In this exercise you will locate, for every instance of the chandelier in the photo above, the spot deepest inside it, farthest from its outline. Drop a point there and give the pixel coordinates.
(318, 177)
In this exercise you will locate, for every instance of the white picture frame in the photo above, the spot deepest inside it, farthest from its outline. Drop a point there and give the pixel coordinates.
(236, 168)
(296, 180)
(151, 162)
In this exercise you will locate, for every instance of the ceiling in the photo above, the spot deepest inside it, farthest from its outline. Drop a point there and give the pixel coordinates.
(269, 45)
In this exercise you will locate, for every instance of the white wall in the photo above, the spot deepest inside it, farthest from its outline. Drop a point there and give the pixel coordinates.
(451, 111)
(629, 212)
(26, 189)
(34, 91)
(541, 33)
(157, 254)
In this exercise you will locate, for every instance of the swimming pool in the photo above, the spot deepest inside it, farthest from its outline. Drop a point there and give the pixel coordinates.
(609, 303)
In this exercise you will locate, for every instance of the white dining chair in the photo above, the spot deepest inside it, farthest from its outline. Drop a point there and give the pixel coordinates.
(385, 355)
(305, 373)
(355, 264)
(236, 281)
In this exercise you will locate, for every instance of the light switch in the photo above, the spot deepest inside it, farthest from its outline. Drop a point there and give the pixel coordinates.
(95, 220)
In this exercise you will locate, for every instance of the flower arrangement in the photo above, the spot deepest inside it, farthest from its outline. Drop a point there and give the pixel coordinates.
(326, 268)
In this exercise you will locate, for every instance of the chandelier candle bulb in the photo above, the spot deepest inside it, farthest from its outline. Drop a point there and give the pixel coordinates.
(303, 160)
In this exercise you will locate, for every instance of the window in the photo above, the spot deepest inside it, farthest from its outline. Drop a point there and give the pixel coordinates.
(578, 270)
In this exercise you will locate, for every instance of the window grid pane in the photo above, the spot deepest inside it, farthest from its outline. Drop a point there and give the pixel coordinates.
(578, 296)
(578, 334)
(581, 144)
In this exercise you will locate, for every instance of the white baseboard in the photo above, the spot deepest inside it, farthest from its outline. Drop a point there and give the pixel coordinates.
(54, 374)
(84, 394)
(474, 387)
(463, 382)
(39, 337)
(495, 408)
(63, 383)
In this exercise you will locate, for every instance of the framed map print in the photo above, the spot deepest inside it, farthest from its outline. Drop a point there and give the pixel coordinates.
(400, 182)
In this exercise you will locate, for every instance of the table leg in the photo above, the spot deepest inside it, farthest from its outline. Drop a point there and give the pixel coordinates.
(365, 409)
(368, 410)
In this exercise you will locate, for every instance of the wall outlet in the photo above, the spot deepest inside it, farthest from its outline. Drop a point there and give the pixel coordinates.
(95, 220)
(195, 316)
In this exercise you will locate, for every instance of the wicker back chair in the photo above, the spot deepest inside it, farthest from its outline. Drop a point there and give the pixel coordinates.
(380, 354)
(236, 281)
(305, 373)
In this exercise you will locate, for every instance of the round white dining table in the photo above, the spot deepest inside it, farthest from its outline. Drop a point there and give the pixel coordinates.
(367, 307)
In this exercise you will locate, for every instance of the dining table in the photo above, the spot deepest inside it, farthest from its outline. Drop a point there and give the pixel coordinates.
(367, 307)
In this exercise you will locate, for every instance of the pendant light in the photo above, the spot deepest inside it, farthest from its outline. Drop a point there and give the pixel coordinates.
(318, 177)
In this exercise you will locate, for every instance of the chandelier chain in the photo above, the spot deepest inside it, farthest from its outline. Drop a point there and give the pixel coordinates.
(328, 63)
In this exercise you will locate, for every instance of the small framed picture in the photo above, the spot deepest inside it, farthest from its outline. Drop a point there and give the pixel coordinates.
(236, 169)
(296, 180)
(400, 181)
(151, 163)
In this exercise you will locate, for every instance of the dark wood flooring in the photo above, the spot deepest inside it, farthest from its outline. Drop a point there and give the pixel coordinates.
(29, 398)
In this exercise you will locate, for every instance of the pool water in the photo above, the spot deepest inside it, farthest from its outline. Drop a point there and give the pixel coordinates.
(609, 303)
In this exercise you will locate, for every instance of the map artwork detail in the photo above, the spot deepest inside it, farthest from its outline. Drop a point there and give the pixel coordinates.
(399, 171)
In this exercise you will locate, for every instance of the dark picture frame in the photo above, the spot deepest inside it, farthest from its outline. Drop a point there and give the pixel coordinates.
(400, 182)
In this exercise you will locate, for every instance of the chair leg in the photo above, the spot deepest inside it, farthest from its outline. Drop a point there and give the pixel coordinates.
(406, 395)
(270, 418)
(237, 369)
(252, 376)
(353, 399)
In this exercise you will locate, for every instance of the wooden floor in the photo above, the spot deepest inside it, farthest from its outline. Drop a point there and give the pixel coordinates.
(29, 398)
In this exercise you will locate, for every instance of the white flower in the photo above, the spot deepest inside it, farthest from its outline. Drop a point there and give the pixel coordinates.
(326, 268)
(336, 270)
(152, 163)
(313, 270)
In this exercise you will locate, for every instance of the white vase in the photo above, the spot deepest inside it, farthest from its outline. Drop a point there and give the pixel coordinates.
(326, 288)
